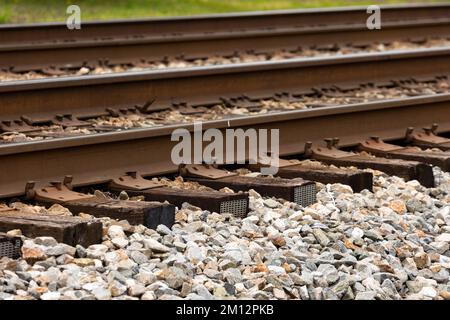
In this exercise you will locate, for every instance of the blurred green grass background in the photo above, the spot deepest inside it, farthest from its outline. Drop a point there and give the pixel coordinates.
(27, 11)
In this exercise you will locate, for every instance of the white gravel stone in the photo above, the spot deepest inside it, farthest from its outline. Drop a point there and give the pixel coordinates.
(96, 251)
(116, 231)
(51, 296)
(154, 245)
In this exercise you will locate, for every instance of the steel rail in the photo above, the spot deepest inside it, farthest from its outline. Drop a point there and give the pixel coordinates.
(36, 56)
(90, 95)
(14, 34)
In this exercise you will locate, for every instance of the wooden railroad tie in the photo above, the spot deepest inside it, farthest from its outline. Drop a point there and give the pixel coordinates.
(149, 214)
(213, 201)
(358, 180)
(295, 190)
(69, 230)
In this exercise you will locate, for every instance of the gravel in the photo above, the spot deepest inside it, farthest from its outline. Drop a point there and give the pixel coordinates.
(363, 246)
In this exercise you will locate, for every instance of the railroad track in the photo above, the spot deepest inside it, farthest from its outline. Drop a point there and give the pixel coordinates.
(29, 104)
(364, 111)
(53, 50)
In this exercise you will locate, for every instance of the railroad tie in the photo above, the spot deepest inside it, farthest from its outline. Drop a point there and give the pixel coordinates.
(358, 180)
(406, 169)
(378, 148)
(69, 230)
(213, 201)
(427, 138)
(10, 246)
(295, 190)
(149, 214)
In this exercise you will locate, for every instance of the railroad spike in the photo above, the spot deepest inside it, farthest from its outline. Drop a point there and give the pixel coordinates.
(427, 130)
(30, 192)
(375, 138)
(329, 142)
(182, 169)
(409, 134)
(132, 174)
(336, 142)
(434, 128)
(68, 182)
(308, 149)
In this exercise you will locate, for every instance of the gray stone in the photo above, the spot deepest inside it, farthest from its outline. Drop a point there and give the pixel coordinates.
(368, 295)
(101, 293)
(164, 230)
(146, 277)
(194, 253)
(231, 289)
(155, 246)
(60, 249)
(329, 294)
(96, 251)
(225, 264)
(321, 237)
(81, 251)
(329, 272)
(120, 242)
(45, 241)
(136, 290)
(232, 276)
(138, 257)
(175, 277)
(203, 292)
(271, 203)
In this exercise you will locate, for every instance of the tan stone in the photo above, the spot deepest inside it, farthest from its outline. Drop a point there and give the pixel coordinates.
(435, 268)
(84, 262)
(287, 267)
(445, 295)
(261, 267)
(278, 241)
(14, 233)
(40, 290)
(398, 206)
(384, 267)
(349, 245)
(279, 294)
(180, 216)
(85, 216)
(422, 260)
(403, 252)
(59, 210)
(33, 254)
(420, 233)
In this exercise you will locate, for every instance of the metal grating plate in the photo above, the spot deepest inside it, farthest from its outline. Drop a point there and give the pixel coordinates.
(238, 208)
(10, 247)
(305, 195)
